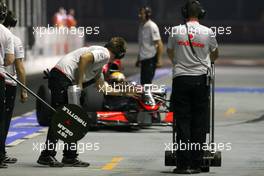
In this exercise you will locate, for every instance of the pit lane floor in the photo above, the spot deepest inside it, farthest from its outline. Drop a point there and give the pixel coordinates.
(239, 110)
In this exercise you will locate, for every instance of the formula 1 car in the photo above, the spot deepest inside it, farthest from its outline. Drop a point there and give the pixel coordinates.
(126, 111)
(107, 110)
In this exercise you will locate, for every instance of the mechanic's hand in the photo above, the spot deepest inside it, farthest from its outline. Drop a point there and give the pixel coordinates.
(80, 86)
(159, 63)
(133, 95)
(23, 96)
(137, 63)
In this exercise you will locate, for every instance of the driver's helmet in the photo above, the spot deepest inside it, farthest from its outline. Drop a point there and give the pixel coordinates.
(117, 77)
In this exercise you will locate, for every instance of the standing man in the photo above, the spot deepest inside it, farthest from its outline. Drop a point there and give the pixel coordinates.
(191, 53)
(71, 21)
(150, 46)
(79, 67)
(18, 71)
(6, 58)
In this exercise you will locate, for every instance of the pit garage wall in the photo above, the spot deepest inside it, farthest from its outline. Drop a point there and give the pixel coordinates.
(245, 18)
(32, 15)
(29, 12)
(119, 17)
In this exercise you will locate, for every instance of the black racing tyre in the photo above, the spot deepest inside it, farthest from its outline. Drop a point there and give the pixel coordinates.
(217, 161)
(44, 113)
(157, 118)
(93, 117)
(144, 119)
(92, 100)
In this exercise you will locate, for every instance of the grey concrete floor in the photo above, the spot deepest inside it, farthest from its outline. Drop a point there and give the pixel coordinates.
(142, 152)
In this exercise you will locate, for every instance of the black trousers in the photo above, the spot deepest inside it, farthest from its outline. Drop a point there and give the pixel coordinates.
(58, 84)
(148, 68)
(189, 103)
(10, 97)
(2, 118)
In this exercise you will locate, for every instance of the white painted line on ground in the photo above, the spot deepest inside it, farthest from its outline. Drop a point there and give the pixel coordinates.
(32, 135)
(15, 143)
(43, 130)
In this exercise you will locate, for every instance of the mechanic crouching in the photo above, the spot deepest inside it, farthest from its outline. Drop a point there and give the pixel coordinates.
(191, 53)
(79, 67)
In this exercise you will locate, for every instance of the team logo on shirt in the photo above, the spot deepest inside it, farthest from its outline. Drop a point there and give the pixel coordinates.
(101, 57)
(191, 36)
(187, 43)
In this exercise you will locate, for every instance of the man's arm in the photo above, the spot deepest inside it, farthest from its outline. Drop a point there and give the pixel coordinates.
(9, 59)
(159, 46)
(20, 69)
(105, 88)
(213, 46)
(214, 55)
(170, 48)
(170, 53)
(85, 60)
(9, 50)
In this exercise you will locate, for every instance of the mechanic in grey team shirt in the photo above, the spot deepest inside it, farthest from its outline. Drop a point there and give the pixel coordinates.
(17, 70)
(6, 58)
(78, 67)
(150, 46)
(190, 89)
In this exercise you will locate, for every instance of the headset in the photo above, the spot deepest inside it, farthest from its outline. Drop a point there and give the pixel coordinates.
(3, 11)
(186, 8)
(148, 11)
(119, 51)
(10, 20)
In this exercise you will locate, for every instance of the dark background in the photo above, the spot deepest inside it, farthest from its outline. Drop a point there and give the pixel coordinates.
(119, 17)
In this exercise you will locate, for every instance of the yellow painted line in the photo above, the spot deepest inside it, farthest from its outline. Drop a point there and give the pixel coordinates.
(114, 162)
(230, 111)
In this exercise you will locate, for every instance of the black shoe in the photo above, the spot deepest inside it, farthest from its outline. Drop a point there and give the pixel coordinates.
(74, 162)
(3, 165)
(9, 160)
(182, 171)
(50, 161)
(195, 171)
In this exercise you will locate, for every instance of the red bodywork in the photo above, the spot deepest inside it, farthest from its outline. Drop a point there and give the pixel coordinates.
(168, 118)
(112, 117)
(120, 118)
